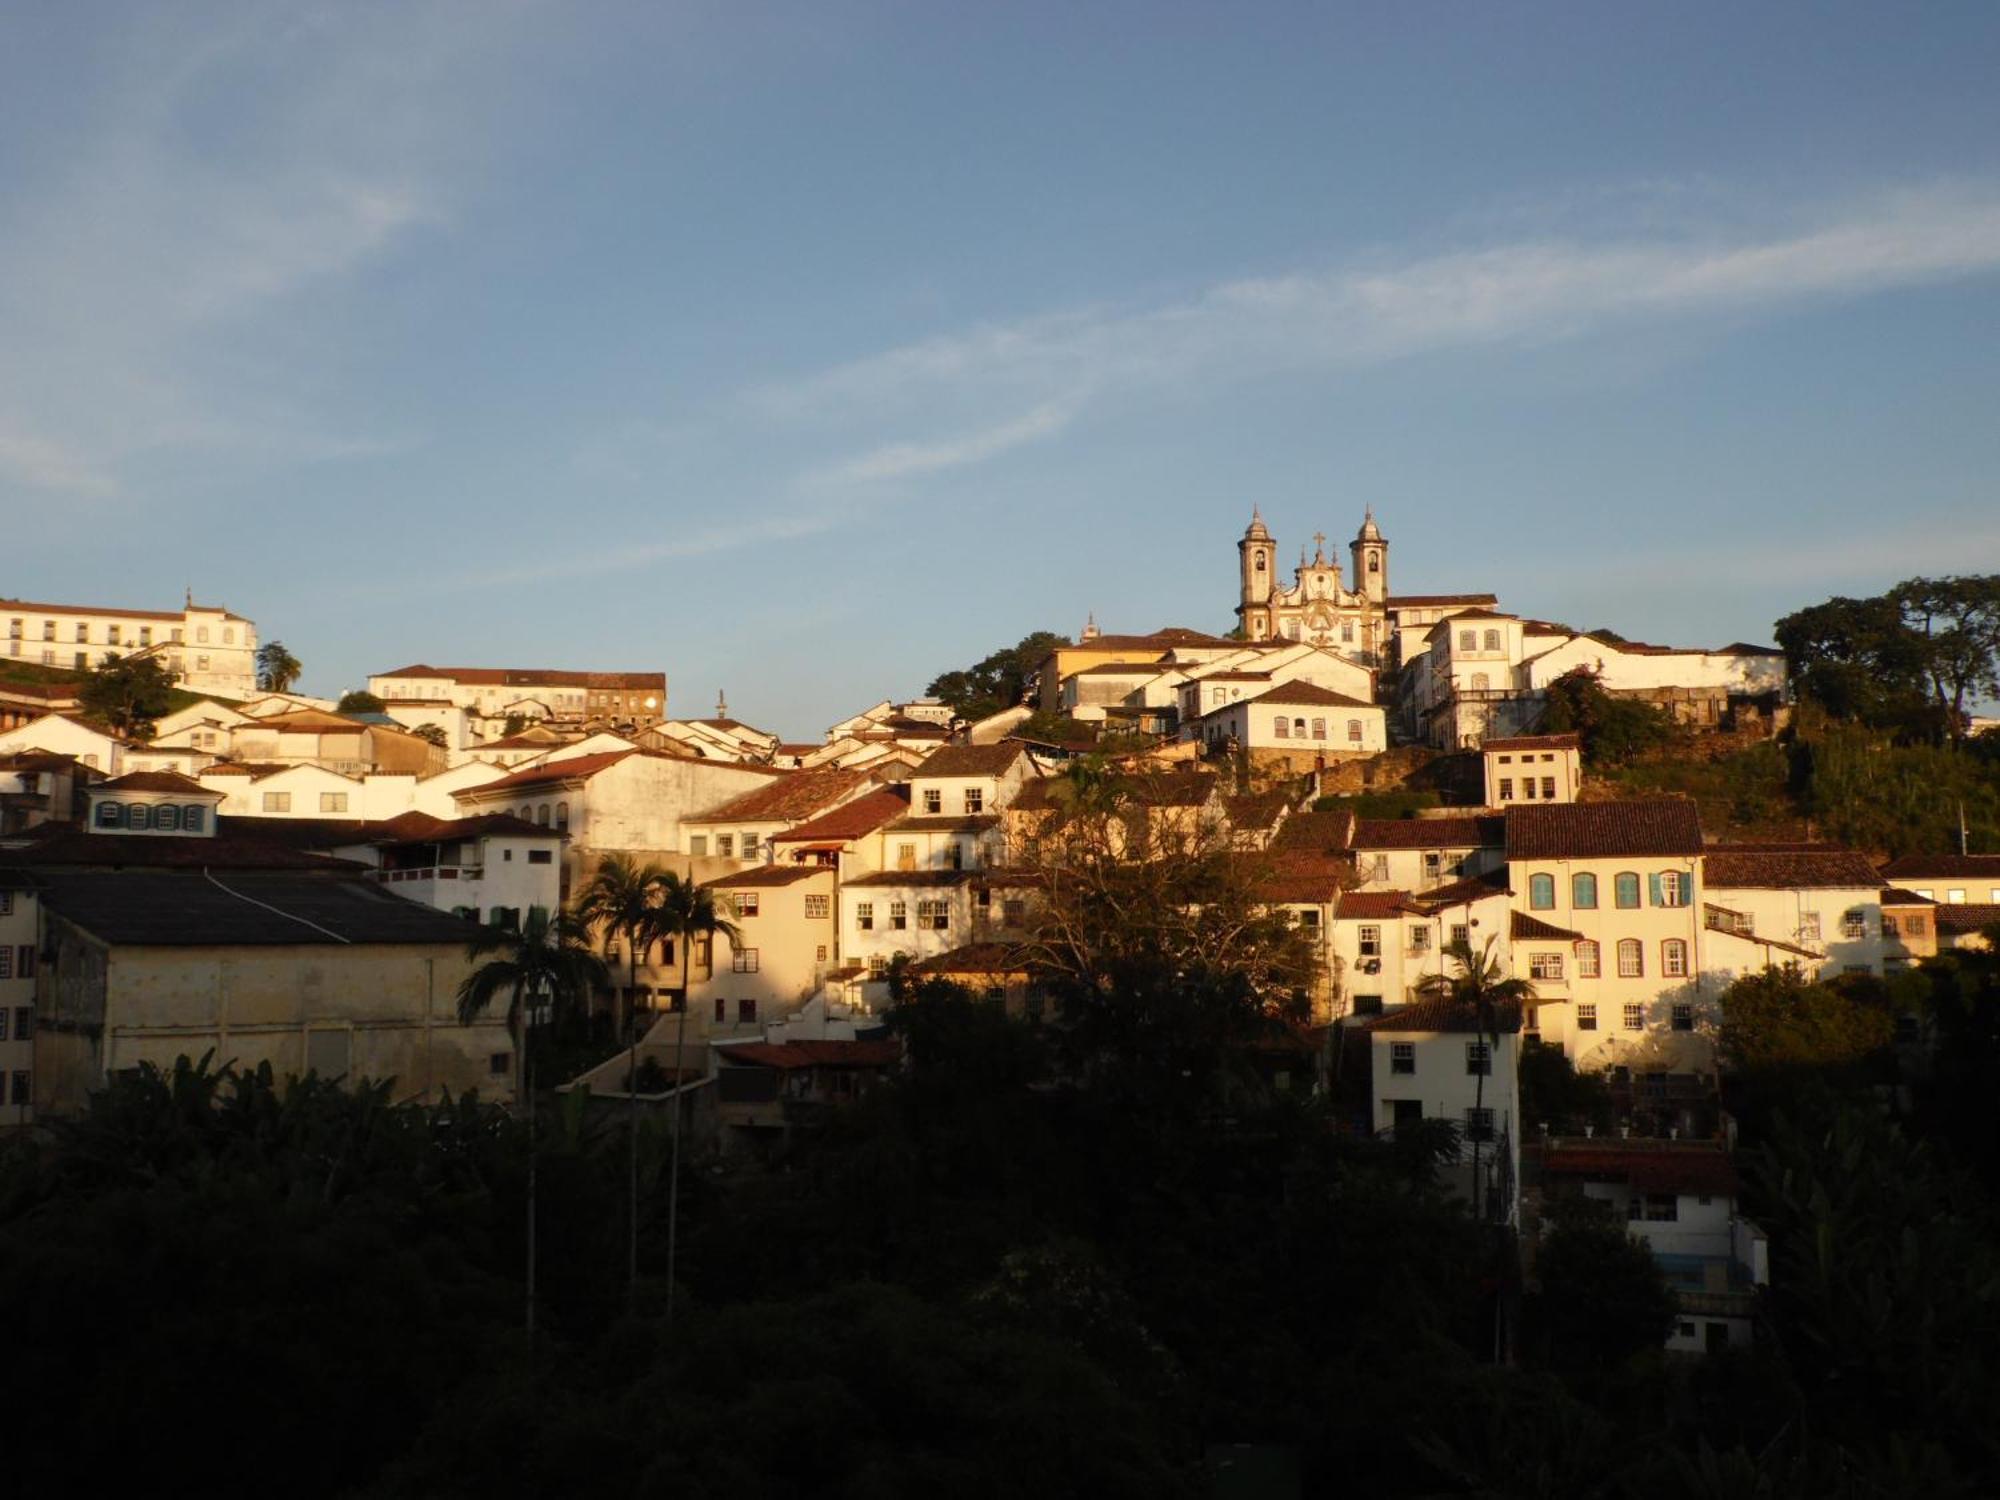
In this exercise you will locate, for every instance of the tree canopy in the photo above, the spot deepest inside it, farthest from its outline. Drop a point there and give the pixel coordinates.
(277, 668)
(1612, 731)
(359, 702)
(128, 694)
(998, 681)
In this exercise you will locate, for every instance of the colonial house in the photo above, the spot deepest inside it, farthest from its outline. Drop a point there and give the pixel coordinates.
(38, 786)
(63, 734)
(1823, 903)
(1297, 725)
(744, 826)
(1532, 768)
(206, 649)
(780, 961)
(333, 742)
(1948, 879)
(490, 696)
(719, 737)
(1417, 854)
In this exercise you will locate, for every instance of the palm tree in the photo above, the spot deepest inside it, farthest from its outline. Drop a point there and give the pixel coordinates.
(277, 668)
(623, 898)
(1481, 985)
(687, 911)
(550, 959)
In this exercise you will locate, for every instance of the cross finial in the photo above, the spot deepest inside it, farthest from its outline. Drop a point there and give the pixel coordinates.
(1319, 542)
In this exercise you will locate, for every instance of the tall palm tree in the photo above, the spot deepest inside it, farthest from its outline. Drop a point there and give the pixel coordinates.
(688, 911)
(1481, 985)
(549, 958)
(623, 899)
(277, 668)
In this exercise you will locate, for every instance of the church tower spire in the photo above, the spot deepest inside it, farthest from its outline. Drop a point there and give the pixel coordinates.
(1257, 560)
(1370, 550)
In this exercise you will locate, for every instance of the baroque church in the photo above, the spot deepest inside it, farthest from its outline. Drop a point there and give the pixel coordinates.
(1317, 607)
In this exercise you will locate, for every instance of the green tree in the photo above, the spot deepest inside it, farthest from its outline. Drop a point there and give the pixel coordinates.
(548, 959)
(277, 668)
(1602, 1300)
(1859, 660)
(1958, 620)
(127, 694)
(359, 702)
(1553, 1091)
(432, 734)
(999, 681)
(1613, 731)
(1777, 1020)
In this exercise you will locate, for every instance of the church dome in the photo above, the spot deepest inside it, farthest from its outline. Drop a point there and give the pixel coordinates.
(1369, 532)
(1257, 531)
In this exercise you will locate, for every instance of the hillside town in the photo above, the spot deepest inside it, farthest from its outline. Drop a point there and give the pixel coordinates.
(272, 878)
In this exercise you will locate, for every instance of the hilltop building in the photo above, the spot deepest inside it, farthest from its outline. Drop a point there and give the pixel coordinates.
(206, 648)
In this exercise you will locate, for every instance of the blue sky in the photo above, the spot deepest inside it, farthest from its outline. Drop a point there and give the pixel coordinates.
(809, 350)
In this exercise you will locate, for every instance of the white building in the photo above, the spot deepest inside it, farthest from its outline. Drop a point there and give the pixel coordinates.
(1532, 768)
(490, 696)
(208, 650)
(1297, 721)
(1823, 905)
(20, 949)
(60, 734)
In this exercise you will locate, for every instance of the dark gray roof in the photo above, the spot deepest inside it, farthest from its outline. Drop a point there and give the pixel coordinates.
(242, 908)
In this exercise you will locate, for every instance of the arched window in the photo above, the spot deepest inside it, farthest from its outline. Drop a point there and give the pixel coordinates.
(1353, 731)
(109, 815)
(1674, 958)
(1374, 562)
(1583, 892)
(1260, 562)
(167, 819)
(138, 815)
(562, 815)
(1298, 729)
(1542, 892)
(1468, 640)
(1347, 630)
(542, 815)
(1625, 889)
(193, 819)
(1586, 960)
(1283, 728)
(1319, 729)
(1492, 640)
(1631, 959)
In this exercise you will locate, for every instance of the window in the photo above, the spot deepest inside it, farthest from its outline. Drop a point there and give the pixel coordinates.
(933, 800)
(1631, 959)
(750, 846)
(743, 961)
(818, 908)
(934, 916)
(1674, 958)
(21, 1088)
(906, 856)
(1583, 892)
(1478, 1058)
(975, 801)
(721, 1010)
(109, 815)
(333, 802)
(1478, 1124)
(1916, 924)
(877, 966)
(277, 802)
(864, 916)
(1809, 926)
(1506, 790)
(1542, 892)
(1353, 731)
(1548, 786)
(747, 903)
(1492, 640)
(542, 815)
(24, 1019)
(899, 915)
(1461, 934)
(1481, 682)
(1282, 728)
(746, 1012)
(83, 633)
(167, 818)
(139, 815)
(1468, 640)
(1402, 1057)
(1433, 866)
(1586, 1016)
(499, 1063)
(1683, 1017)
(1854, 923)
(1319, 729)
(6, 972)
(1662, 1208)
(1013, 913)
(1347, 631)
(1625, 890)
(1670, 888)
(698, 844)
(1889, 926)
(562, 815)
(1420, 940)
(725, 845)
(1635, 1018)
(1371, 941)
(48, 630)
(1298, 729)
(541, 856)
(1545, 966)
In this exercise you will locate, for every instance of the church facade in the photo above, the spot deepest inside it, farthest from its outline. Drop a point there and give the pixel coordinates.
(1317, 607)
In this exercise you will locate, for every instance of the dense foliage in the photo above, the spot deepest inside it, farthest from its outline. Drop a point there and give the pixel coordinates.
(998, 681)
(359, 702)
(127, 694)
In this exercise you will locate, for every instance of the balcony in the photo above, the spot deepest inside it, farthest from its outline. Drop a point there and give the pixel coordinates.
(429, 872)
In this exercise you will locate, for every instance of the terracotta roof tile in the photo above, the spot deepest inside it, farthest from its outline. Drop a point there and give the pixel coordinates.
(1942, 866)
(1442, 1014)
(972, 760)
(791, 797)
(1966, 917)
(1427, 833)
(1373, 906)
(1309, 694)
(1590, 830)
(1783, 870)
(1535, 742)
(861, 1053)
(1524, 926)
(851, 820)
(156, 781)
(767, 875)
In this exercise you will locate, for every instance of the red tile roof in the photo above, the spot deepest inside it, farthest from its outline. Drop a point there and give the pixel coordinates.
(790, 797)
(971, 760)
(156, 781)
(766, 875)
(1373, 906)
(1522, 925)
(538, 677)
(577, 766)
(1965, 916)
(1434, 601)
(976, 958)
(1727, 868)
(851, 820)
(1942, 866)
(1535, 742)
(1309, 694)
(1317, 830)
(1427, 833)
(64, 846)
(1442, 1014)
(1591, 830)
(1468, 888)
(1692, 1167)
(788, 1055)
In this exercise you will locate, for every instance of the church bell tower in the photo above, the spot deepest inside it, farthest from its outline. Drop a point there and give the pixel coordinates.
(1370, 550)
(1257, 554)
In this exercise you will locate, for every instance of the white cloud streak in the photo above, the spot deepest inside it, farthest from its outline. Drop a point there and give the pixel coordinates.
(894, 461)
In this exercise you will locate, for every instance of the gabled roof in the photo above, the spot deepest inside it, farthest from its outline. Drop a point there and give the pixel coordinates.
(1373, 906)
(170, 782)
(66, 846)
(1896, 896)
(1942, 866)
(1308, 694)
(1964, 917)
(971, 760)
(790, 797)
(1466, 888)
(851, 820)
(1786, 869)
(242, 908)
(306, 720)
(1440, 1014)
(576, 768)
(913, 878)
(1664, 826)
(1535, 742)
(1315, 830)
(1427, 833)
(1524, 926)
(869, 1053)
(767, 875)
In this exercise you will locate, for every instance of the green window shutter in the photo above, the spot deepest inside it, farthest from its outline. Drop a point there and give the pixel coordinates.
(1654, 881)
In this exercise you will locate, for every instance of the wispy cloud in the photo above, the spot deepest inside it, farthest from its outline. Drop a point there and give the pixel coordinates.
(1392, 308)
(916, 460)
